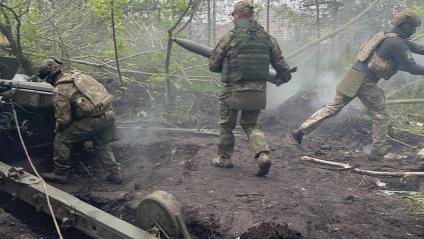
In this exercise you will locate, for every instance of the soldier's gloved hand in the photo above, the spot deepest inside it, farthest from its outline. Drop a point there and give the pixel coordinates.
(286, 77)
(279, 80)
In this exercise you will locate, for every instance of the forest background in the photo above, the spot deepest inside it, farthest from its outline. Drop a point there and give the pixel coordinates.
(126, 44)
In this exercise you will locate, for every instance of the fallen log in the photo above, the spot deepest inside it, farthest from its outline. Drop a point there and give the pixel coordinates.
(405, 101)
(362, 171)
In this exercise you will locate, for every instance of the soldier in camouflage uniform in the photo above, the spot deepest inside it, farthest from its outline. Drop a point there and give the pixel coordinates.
(83, 111)
(380, 58)
(243, 56)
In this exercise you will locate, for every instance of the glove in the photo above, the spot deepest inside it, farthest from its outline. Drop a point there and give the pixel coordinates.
(287, 77)
(279, 80)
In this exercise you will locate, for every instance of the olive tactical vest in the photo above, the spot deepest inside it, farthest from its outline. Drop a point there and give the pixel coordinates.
(249, 56)
(381, 67)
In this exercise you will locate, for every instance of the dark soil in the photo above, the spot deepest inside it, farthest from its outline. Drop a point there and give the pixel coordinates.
(18, 220)
(271, 231)
(296, 199)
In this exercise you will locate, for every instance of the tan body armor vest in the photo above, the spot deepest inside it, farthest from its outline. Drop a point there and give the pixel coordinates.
(381, 67)
(94, 99)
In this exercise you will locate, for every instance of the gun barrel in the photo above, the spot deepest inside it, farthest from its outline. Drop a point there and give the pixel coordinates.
(24, 85)
(34, 91)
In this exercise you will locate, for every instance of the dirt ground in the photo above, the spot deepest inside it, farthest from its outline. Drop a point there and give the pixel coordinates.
(296, 199)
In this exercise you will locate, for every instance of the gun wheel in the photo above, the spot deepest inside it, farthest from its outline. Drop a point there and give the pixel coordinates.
(159, 210)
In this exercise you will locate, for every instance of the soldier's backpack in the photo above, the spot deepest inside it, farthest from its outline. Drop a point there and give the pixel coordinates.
(95, 99)
(381, 67)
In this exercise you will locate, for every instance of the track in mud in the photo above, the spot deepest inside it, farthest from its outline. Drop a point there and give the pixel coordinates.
(314, 201)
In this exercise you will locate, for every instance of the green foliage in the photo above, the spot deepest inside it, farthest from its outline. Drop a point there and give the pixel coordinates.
(415, 203)
(167, 14)
(29, 30)
(182, 113)
(101, 8)
(157, 79)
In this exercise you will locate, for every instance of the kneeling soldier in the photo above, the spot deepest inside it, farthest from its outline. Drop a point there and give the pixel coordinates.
(83, 111)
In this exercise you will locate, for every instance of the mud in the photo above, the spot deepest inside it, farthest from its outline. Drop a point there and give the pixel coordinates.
(296, 199)
(18, 220)
(271, 231)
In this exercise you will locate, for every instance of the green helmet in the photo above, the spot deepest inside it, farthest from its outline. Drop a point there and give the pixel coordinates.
(49, 67)
(244, 6)
(406, 15)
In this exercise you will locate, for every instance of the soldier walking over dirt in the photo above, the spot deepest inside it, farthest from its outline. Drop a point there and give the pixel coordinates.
(83, 111)
(380, 58)
(243, 56)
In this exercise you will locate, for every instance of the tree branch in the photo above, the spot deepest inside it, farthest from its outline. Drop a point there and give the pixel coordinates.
(362, 171)
(194, 9)
(334, 33)
(169, 92)
(115, 44)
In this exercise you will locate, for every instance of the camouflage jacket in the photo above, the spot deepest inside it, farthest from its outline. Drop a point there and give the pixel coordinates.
(223, 48)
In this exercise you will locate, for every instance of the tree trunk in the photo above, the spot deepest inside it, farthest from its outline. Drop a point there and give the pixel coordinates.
(209, 21)
(267, 16)
(17, 51)
(214, 22)
(170, 92)
(115, 44)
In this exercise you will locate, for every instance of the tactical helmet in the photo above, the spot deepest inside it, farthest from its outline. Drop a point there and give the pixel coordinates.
(49, 68)
(406, 15)
(244, 6)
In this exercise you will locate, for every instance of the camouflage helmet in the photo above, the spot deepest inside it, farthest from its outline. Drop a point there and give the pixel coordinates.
(244, 6)
(49, 67)
(406, 15)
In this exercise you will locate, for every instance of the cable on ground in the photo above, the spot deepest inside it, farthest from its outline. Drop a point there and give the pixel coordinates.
(59, 233)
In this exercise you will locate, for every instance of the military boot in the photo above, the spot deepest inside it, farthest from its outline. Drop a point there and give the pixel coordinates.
(56, 177)
(115, 176)
(222, 162)
(298, 135)
(264, 163)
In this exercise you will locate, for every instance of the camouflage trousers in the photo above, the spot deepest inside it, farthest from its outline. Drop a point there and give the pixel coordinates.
(249, 123)
(373, 98)
(100, 130)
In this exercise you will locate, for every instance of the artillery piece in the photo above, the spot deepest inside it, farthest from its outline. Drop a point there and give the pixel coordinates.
(158, 215)
(32, 102)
